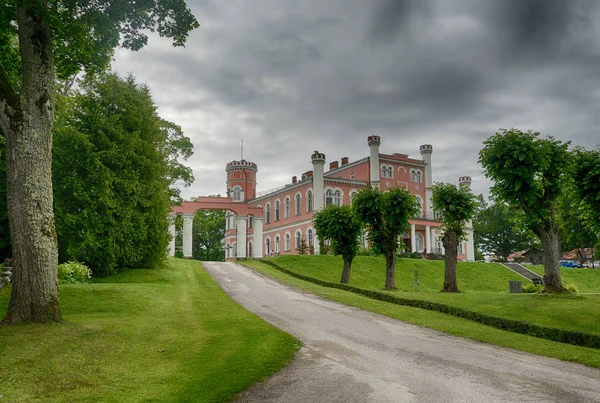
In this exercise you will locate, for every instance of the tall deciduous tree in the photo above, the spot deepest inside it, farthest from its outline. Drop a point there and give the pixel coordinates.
(209, 233)
(528, 172)
(340, 225)
(454, 205)
(111, 176)
(77, 35)
(495, 231)
(385, 215)
(586, 176)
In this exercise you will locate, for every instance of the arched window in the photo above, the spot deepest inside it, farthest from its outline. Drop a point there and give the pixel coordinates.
(277, 210)
(328, 197)
(268, 246)
(237, 193)
(234, 249)
(250, 222)
(298, 239)
(309, 201)
(419, 247)
(310, 237)
(415, 175)
(298, 203)
(277, 250)
(351, 195)
(337, 199)
(387, 171)
(286, 207)
(267, 213)
(287, 245)
(460, 250)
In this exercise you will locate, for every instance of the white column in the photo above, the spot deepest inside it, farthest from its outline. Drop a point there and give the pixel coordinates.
(426, 151)
(241, 236)
(318, 162)
(173, 234)
(316, 245)
(428, 246)
(258, 237)
(188, 220)
(470, 246)
(374, 142)
(413, 238)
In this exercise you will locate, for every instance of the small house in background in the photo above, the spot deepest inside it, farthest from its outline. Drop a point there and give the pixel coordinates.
(533, 256)
(581, 255)
(515, 257)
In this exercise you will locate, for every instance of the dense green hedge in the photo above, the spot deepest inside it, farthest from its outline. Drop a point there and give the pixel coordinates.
(511, 325)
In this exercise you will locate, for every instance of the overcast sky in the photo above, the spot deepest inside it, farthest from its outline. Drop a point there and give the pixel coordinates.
(290, 77)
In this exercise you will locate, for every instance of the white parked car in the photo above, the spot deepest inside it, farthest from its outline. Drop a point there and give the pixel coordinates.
(596, 264)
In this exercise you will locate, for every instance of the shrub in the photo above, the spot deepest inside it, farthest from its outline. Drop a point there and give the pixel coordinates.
(435, 256)
(572, 288)
(531, 288)
(73, 273)
(365, 252)
(179, 254)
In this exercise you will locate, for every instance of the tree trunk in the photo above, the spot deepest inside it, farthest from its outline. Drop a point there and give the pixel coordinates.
(390, 270)
(346, 271)
(34, 295)
(450, 241)
(551, 247)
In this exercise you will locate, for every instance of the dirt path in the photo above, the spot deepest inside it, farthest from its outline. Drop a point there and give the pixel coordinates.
(352, 355)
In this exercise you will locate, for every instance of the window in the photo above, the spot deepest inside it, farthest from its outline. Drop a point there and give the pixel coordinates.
(277, 210)
(387, 171)
(237, 193)
(250, 221)
(351, 195)
(460, 249)
(310, 237)
(287, 242)
(286, 207)
(337, 199)
(277, 244)
(249, 249)
(328, 197)
(415, 175)
(226, 221)
(298, 239)
(268, 214)
(309, 201)
(268, 246)
(298, 203)
(351, 175)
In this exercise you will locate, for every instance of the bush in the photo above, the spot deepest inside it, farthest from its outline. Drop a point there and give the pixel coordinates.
(179, 254)
(531, 288)
(73, 273)
(572, 288)
(365, 252)
(435, 256)
(412, 255)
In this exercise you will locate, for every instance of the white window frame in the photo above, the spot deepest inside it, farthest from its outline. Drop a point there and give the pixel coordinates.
(310, 202)
(287, 242)
(416, 175)
(298, 237)
(267, 213)
(298, 203)
(287, 207)
(277, 210)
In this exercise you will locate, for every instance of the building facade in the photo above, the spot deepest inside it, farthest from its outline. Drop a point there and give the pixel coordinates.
(277, 221)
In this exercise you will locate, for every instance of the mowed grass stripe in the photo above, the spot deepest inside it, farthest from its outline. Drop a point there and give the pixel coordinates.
(442, 322)
(167, 335)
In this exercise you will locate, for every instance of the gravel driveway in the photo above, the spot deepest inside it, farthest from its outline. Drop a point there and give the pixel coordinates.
(351, 355)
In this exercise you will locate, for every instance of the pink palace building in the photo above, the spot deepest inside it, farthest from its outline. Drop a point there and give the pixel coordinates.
(275, 221)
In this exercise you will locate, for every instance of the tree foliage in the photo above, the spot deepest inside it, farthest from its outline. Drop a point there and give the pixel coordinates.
(496, 231)
(340, 225)
(111, 176)
(4, 230)
(208, 235)
(454, 205)
(385, 215)
(528, 172)
(77, 35)
(586, 176)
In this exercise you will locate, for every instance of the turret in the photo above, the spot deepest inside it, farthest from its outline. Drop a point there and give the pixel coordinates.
(318, 161)
(374, 142)
(241, 180)
(426, 151)
(465, 181)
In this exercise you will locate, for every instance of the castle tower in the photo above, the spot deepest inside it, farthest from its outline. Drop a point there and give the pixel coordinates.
(374, 142)
(466, 182)
(426, 151)
(318, 161)
(241, 180)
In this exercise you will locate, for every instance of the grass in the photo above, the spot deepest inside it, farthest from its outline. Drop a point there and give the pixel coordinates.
(164, 335)
(484, 288)
(435, 320)
(586, 280)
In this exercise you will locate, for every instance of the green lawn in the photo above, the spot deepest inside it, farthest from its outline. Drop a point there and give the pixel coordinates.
(586, 280)
(446, 323)
(164, 335)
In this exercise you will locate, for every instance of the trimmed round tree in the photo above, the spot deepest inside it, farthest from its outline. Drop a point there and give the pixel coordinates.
(386, 215)
(340, 225)
(528, 172)
(586, 175)
(454, 205)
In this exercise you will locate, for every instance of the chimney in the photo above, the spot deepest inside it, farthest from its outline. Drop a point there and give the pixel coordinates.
(333, 165)
(374, 142)
(309, 174)
(294, 179)
(344, 161)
